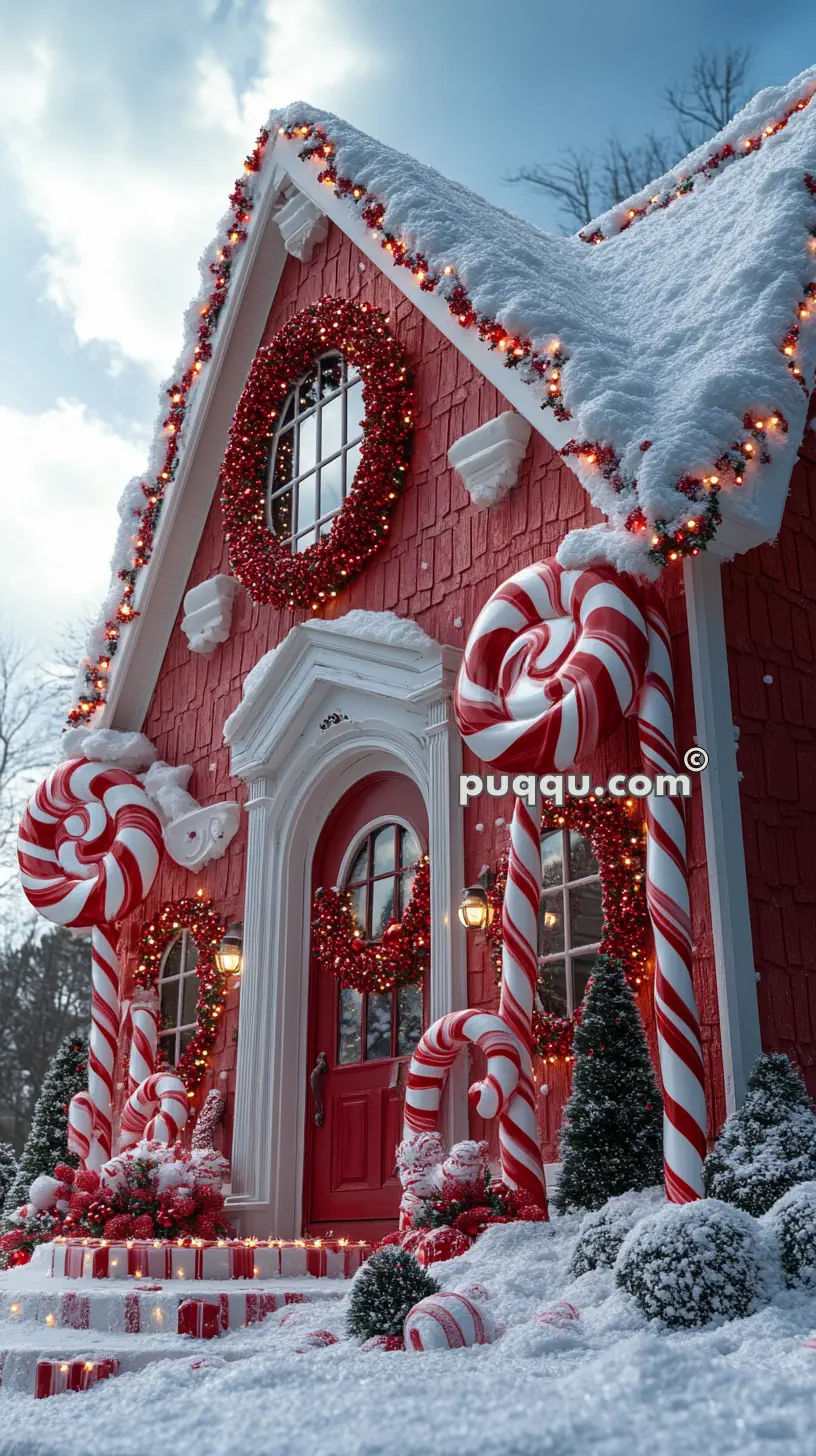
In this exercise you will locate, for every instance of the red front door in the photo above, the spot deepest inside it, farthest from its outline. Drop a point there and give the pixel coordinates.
(372, 839)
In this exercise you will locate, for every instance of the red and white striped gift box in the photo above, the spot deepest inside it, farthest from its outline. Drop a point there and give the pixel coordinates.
(225, 1259)
(200, 1317)
(56, 1376)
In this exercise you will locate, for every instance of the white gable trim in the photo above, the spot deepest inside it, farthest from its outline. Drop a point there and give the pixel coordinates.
(394, 706)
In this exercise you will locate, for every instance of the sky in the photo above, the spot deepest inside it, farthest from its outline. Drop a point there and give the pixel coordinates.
(122, 128)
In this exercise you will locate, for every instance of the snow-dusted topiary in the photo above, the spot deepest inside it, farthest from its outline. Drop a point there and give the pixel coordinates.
(387, 1286)
(612, 1132)
(8, 1169)
(769, 1144)
(602, 1232)
(793, 1222)
(692, 1263)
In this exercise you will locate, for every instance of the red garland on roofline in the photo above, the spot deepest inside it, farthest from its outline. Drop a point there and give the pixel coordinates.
(707, 169)
(401, 956)
(619, 845)
(270, 570)
(147, 519)
(667, 544)
(206, 929)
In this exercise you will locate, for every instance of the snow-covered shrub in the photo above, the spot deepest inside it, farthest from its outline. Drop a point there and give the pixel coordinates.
(693, 1262)
(603, 1231)
(387, 1286)
(769, 1144)
(793, 1222)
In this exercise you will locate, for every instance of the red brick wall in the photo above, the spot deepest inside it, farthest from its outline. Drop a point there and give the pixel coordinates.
(770, 614)
(441, 561)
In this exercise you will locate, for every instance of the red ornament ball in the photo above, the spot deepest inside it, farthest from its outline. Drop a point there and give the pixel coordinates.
(441, 1243)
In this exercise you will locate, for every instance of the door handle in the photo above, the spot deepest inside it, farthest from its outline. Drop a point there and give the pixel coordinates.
(316, 1076)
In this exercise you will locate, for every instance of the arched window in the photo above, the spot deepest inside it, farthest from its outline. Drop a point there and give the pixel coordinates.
(570, 923)
(178, 996)
(315, 453)
(379, 877)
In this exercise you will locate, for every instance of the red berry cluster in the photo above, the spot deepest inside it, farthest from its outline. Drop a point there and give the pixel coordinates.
(402, 955)
(269, 568)
(137, 1210)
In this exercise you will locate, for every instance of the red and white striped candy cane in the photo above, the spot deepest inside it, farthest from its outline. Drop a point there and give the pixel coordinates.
(89, 847)
(144, 1025)
(156, 1111)
(554, 661)
(518, 1130)
(438, 1049)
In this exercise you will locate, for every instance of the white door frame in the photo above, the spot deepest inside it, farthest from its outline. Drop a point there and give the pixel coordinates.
(393, 701)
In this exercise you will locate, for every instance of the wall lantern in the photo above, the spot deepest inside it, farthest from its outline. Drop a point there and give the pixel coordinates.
(475, 910)
(230, 954)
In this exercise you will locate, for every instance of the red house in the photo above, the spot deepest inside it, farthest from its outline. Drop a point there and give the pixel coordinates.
(392, 397)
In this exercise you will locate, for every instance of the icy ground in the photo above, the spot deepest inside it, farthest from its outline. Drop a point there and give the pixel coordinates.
(610, 1384)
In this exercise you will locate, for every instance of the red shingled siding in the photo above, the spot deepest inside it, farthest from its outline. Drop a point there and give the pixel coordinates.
(442, 559)
(770, 613)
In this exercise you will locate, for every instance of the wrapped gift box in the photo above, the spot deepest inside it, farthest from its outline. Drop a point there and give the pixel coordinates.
(55, 1376)
(200, 1317)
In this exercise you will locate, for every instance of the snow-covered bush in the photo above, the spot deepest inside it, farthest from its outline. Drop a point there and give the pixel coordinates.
(693, 1262)
(603, 1231)
(387, 1286)
(769, 1144)
(8, 1169)
(793, 1222)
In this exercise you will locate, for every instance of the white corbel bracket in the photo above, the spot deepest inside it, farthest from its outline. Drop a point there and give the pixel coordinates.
(207, 616)
(302, 225)
(489, 459)
(193, 833)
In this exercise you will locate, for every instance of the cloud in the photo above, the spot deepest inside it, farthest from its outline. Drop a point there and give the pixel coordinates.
(126, 179)
(62, 475)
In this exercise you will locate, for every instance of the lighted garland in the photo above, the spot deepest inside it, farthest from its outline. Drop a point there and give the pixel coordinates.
(709, 168)
(269, 569)
(241, 204)
(545, 368)
(619, 846)
(403, 954)
(206, 929)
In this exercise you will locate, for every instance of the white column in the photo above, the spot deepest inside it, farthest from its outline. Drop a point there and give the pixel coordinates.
(251, 1138)
(725, 854)
(446, 849)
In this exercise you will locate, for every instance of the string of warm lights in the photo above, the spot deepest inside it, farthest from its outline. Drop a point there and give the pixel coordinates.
(709, 168)
(268, 567)
(198, 918)
(618, 842)
(401, 956)
(229, 242)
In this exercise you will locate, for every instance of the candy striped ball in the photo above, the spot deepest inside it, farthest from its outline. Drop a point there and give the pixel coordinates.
(448, 1322)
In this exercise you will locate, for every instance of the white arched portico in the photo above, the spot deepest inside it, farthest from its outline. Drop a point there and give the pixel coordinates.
(335, 702)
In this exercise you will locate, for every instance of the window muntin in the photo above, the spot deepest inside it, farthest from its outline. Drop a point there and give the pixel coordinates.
(178, 996)
(380, 879)
(570, 923)
(315, 452)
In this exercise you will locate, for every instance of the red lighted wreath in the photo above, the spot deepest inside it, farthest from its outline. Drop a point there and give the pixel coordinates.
(201, 922)
(401, 956)
(271, 571)
(618, 839)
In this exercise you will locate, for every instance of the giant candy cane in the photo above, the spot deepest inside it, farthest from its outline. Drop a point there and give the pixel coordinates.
(554, 661)
(89, 847)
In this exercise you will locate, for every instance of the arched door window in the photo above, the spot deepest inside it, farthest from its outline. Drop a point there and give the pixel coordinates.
(380, 877)
(570, 923)
(178, 996)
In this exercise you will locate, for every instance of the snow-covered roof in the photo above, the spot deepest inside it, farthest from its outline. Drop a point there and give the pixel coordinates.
(674, 333)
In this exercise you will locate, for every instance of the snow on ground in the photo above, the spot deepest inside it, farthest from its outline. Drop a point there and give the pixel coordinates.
(610, 1384)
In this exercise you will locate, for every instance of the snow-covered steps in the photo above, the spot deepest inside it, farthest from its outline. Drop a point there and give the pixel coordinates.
(151, 1308)
(226, 1259)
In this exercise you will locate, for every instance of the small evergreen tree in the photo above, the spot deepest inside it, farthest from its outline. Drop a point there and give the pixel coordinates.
(8, 1169)
(769, 1144)
(47, 1142)
(387, 1287)
(612, 1132)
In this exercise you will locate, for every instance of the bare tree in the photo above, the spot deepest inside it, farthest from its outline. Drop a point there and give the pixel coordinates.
(24, 734)
(585, 184)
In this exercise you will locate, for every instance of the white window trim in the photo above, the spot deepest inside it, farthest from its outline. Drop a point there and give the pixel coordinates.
(397, 702)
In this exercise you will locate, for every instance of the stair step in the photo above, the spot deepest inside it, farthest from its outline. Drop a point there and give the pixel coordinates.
(94, 1259)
